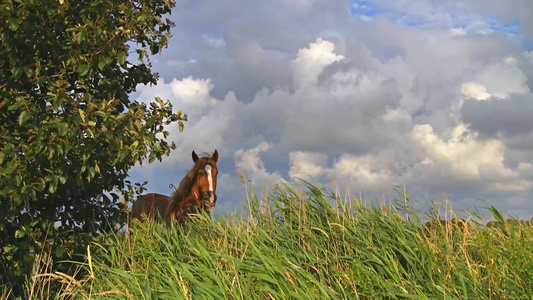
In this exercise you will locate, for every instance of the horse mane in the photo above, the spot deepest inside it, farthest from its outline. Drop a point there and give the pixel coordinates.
(186, 183)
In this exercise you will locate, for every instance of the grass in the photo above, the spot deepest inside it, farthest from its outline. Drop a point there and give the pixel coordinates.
(305, 243)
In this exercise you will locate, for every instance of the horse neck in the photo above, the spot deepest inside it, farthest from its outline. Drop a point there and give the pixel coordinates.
(182, 196)
(192, 200)
(173, 204)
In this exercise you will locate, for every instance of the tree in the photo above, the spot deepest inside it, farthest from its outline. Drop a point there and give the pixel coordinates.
(69, 132)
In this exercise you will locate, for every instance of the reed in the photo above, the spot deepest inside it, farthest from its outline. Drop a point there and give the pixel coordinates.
(307, 242)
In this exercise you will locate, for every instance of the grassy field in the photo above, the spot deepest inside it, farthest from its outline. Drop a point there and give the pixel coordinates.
(305, 243)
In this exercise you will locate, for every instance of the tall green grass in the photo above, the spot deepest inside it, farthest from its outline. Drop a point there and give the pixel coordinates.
(308, 243)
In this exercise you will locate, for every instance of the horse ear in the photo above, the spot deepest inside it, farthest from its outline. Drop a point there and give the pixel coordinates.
(214, 157)
(194, 156)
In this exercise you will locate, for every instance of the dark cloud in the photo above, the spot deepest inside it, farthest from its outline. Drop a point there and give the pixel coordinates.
(510, 116)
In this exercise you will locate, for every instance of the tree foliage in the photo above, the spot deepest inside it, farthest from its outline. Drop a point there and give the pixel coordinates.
(69, 132)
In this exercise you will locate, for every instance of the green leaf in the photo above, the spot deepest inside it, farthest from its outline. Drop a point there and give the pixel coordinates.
(101, 64)
(159, 101)
(137, 124)
(91, 133)
(154, 48)
(62, 129)
(52, 187)
(100, 114)
(121, 58)
(108, 60)
(29, 71)
(20, 233)
(40, 184)
(91, 174)
(16, 72)
(81, 36)
(17, 199)
(23, 117)
(14, 24)
(82, 115)
(83, 70)
(31, 193)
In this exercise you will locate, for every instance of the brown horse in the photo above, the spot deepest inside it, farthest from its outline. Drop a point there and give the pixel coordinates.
(197, 191)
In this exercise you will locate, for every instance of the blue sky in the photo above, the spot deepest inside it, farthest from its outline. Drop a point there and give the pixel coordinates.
(491, 19)
(355, 92)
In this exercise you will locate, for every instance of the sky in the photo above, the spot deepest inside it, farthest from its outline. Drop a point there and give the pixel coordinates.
(359, 95)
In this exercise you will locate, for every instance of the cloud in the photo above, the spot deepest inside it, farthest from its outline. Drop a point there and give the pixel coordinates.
(525, 170)
(193, 94)
(249, 162)
(475, 90)
(495, 116)
(503, 79)
(464, 161)
(310, 62)
(433, 94)
(305, 164)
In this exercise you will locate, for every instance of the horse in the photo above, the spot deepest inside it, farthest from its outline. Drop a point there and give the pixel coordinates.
(152, 206)
(196, 192)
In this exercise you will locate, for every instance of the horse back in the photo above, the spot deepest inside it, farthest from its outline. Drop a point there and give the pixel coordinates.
(152, 205)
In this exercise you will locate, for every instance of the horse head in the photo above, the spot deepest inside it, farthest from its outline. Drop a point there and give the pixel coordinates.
(204, 185)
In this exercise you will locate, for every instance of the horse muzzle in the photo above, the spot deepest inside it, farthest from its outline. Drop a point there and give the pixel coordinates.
(209, 200)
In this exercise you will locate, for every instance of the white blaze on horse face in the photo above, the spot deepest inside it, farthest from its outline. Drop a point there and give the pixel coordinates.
(208, 169)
